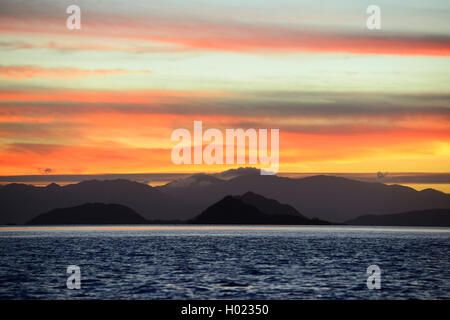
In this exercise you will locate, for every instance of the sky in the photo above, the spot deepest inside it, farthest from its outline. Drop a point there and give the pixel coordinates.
(106, 98)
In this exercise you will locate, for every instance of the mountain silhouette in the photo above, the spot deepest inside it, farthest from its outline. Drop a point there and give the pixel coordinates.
(236, 210)
(325, 197)
(89, 213)
(329, 198)
(268, 206)
(20, 203)
(196, 180)
(232, 173)
(423, 218)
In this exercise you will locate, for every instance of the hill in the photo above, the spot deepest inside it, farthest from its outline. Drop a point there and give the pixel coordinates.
(238, 210)
(325, 197)
(423, 218)
(88, 214)
(20, 203)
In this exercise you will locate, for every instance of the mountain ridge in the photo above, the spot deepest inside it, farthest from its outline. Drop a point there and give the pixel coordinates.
(325, 197)
(19, 203)
(235, 210)
(422, 218)
(89, 214)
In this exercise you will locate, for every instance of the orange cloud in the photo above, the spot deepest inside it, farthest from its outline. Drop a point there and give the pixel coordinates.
(96, 96)
(31, 158)
(124, 46)
(130, 144)
(28, 72)
(328, 148)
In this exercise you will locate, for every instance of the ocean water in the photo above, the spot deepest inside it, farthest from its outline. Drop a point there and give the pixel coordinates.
(195, 262)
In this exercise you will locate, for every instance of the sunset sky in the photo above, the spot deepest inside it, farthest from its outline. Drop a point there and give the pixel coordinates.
(106, 98)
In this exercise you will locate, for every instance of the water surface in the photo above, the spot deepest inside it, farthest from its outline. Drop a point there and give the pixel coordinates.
(200, 262)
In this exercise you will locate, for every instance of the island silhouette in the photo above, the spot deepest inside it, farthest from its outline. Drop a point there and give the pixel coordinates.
(89, 213)
(249, 208)
(326, 198)
(422, 218)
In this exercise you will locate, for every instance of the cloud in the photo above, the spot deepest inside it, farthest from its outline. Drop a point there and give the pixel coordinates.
(46, 171)
(62, 46)
(30, 149)
(28, 72)
(251, 105)
(99, 96)
(91, 158)
(226, 34)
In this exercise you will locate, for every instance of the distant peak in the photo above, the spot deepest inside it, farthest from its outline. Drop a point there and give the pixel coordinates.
(251, 195)
(110, 181)
(231, 173)
(196, 180)
(53, 185)
(431, 190)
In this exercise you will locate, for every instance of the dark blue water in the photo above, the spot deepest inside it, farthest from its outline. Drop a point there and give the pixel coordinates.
(224, 263)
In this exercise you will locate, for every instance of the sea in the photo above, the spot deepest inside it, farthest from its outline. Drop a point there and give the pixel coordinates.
(224, 262)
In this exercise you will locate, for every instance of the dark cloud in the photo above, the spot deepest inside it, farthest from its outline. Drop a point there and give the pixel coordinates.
(48, 170)
(41, 130)
(263, 104)
(37, 148)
